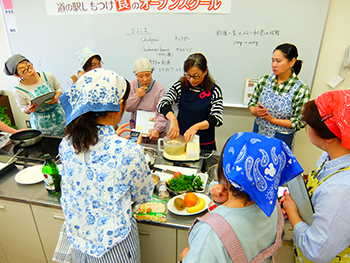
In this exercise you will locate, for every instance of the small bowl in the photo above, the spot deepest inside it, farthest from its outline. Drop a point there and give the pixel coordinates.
(156, 180)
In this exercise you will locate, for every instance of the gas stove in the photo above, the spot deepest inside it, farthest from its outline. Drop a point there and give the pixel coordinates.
(34, 154)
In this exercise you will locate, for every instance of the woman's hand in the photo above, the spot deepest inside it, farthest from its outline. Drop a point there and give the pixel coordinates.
(184, 253)
(55, 99)
(290, 209)
(190, 133)
(31, 108)
(174, 129)
(219, 193)
(122, 129)
(261, 111)
(154, 135)
(141, 92)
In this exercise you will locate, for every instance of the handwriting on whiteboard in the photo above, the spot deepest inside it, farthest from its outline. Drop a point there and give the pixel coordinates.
(246, 33)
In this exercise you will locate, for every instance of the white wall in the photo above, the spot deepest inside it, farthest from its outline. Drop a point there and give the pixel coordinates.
(7, 83)
(335, 41)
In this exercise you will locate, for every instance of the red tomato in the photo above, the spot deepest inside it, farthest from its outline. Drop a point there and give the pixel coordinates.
(177, 174)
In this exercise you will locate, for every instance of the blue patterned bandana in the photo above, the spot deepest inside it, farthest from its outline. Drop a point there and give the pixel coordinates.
(258, 165)
(98, 90)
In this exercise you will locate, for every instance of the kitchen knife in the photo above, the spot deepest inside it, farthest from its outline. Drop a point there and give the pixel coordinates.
(164, 170)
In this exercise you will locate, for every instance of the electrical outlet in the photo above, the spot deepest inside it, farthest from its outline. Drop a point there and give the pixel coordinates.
(28, 124)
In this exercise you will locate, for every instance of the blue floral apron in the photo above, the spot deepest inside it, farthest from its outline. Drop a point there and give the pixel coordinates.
(280, 107)
(49, 119)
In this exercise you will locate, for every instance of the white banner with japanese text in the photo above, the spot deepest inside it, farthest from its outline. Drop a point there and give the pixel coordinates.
(87, 7)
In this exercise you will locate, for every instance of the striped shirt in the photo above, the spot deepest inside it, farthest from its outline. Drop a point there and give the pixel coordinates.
(300, 97)
(173, 96)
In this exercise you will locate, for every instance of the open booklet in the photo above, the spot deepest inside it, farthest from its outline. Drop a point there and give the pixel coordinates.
(298, 191)
(145, 121)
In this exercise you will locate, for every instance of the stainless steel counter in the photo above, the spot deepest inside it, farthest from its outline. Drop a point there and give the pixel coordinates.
(36, 194)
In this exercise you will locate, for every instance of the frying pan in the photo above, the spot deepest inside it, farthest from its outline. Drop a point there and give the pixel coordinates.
(26, 138)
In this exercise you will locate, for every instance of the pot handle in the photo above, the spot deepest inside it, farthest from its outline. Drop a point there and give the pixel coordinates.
(159, 145)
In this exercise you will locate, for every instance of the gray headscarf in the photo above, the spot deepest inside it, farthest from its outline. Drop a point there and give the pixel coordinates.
(11, 63)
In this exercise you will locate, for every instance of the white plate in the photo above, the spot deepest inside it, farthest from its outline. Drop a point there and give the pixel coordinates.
(30, 175)
(184, 212)
(43, 98)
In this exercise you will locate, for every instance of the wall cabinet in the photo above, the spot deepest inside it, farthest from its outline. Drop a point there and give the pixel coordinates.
(49, 222)
(19, 239)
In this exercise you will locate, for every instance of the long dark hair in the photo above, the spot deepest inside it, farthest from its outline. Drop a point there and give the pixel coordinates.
(83, 131)
(311, 117)
(197, 60)
(290, 51)
(222, 179)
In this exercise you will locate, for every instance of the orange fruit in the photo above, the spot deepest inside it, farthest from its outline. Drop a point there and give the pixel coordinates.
(190, 199)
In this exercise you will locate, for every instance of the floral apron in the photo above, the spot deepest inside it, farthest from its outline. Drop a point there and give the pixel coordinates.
(311, 184)
(49, 119)
(280, 107)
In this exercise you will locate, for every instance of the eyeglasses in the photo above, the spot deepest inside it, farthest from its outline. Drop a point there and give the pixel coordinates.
(326, 117)
(28, 67)
(188, 76)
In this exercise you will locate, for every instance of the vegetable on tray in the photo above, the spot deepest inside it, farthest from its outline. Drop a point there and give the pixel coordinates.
(181, 182)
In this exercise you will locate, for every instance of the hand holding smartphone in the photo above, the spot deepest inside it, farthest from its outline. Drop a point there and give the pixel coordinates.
(134, 135)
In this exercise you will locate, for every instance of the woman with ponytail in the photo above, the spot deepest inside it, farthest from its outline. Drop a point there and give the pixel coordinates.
(199, 101)
(279, 97)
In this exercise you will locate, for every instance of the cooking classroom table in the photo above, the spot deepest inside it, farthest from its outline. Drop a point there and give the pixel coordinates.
(36, 194)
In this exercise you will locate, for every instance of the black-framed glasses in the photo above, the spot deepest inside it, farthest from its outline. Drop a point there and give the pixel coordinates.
(27, 67)
(326, 117)
(188, 76)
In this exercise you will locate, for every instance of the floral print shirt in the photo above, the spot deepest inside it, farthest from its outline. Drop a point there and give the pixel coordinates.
(97, 189)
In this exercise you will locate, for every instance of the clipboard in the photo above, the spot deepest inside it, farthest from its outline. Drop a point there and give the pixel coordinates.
(298, 191)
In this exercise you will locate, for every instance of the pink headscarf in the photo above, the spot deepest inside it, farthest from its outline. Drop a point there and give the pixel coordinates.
(334, 109)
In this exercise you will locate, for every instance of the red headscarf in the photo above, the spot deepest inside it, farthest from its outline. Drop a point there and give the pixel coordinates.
(334, 109)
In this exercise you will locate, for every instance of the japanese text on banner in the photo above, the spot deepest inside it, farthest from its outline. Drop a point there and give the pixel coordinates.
(57, 7)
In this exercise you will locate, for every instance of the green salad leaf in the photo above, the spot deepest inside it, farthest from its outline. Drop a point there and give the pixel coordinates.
(185, 183)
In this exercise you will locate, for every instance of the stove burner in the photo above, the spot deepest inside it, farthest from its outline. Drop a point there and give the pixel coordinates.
(35, 153)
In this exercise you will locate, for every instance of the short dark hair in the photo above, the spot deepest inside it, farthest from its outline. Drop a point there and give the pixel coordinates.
(290, 51)
(311, 117)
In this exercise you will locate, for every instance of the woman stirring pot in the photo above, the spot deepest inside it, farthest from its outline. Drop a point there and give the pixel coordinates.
(49, 117)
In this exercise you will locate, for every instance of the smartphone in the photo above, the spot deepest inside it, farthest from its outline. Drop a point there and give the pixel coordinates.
(134, 135)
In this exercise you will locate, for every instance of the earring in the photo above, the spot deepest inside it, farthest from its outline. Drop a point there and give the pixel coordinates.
(323, 148)
(202, 83)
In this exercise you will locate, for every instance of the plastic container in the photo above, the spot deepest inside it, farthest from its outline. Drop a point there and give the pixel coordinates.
(172, 146)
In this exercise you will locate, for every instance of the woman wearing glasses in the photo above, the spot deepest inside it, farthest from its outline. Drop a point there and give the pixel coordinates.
(49, 117)
(199, 101)
(279, 97)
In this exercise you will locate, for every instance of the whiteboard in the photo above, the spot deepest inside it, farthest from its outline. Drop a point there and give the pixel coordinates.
(237, 46)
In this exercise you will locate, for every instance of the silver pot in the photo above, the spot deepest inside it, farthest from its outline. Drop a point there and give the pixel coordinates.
(26, 138)
(151, 155)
